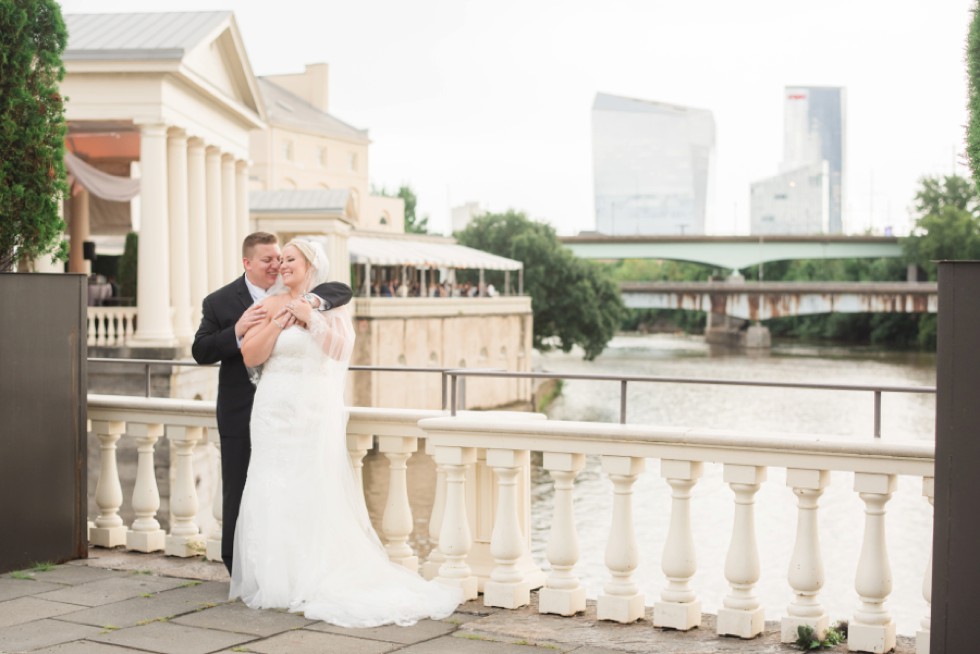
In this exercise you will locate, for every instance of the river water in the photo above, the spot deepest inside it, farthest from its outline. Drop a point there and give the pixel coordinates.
(805, 413)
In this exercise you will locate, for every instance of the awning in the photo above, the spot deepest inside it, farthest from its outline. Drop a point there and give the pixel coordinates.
(424, 254)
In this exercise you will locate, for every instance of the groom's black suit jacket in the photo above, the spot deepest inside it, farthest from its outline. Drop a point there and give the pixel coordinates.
(215, 341)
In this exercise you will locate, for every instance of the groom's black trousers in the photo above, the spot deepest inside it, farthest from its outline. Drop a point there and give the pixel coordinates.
(235, 454)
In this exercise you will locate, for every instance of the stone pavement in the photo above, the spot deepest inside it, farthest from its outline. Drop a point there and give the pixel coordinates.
(117, 602)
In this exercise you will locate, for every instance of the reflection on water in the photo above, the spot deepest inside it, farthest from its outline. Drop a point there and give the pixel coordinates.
(803, 413)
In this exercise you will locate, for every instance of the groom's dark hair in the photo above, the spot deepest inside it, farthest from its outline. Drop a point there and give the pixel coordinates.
(255, 239)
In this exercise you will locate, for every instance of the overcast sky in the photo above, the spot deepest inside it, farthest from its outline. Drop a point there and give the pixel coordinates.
(489, 100)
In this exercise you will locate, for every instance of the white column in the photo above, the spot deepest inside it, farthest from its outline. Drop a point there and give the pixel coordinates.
(872, 628)
(216, 244)
(562, 593)
(742, 615)
(430, 569)
(180, 290)
(805, 574)
(397, 522)
(923, 635)
(217, 505)
(185, 538)
(455, 539)
(153, 325)
(79, 231)
(507, 586)
(197, 233)
(621, 600)
(679, 607)
(241, 201)
(109, 530)
(357, 448)
(145, 535)
(229, 219)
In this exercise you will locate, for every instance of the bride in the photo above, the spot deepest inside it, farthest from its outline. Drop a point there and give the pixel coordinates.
(303, 539)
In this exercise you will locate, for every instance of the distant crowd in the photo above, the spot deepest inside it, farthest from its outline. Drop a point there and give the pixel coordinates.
(394, 288)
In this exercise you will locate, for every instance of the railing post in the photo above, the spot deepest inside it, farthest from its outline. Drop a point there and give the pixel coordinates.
(430, 569)
(452, 402)
(217, 501)
(507, 586)
(872, 628)
(145, 535)
(679, 607)
(397, 521)
(923, 635)
(805, 575)
(562, 593)
(877, 414)
(445, 390)
(455, 539)
(621, 600)
(357, 448)
(185, 538)
(622, 401)
(741, 614)
(147, 369)
(109, 530)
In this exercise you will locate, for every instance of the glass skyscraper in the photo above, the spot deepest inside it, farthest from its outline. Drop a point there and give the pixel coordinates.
(652, 165)
(807, 196)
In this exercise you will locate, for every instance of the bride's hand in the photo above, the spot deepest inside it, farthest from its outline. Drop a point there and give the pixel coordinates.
(300, 310)
(285, 318)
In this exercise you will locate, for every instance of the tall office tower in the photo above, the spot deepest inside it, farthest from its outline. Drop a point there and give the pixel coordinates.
(806, 197)
(651, 166)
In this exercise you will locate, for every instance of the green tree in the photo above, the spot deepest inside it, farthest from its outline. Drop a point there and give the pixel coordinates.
(575, 301)
(413, 224)
(973, 83)
(947, 225)
(32, 129)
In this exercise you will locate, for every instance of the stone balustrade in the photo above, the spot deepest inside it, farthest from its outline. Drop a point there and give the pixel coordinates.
(481, 513)
(111, 326)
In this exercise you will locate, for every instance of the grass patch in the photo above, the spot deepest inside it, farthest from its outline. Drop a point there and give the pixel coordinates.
(109, 628)
(43, 566)
(142, 572)
(240, 649)
(472, 637)
(22, 574)
(191, 584)
(547, 392)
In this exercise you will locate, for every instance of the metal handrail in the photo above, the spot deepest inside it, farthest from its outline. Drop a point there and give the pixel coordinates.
(451, 378)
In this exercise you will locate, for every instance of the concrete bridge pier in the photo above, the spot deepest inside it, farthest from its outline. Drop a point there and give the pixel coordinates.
(722, 329)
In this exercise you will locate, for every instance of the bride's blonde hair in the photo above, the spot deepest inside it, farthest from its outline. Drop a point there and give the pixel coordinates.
(316, 259)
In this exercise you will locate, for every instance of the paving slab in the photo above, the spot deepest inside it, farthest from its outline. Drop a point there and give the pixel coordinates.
(193, 567)
(29, 609)
(42, 633)
(238, 618)
(421, 631)
(303, 641)
(455, 645)
(74, 574)
(167, 604)
(109, 591)
(13, 588)
(167, 638)
(87, 647)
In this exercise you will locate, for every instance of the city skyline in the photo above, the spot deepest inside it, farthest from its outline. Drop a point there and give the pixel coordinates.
(490, 102)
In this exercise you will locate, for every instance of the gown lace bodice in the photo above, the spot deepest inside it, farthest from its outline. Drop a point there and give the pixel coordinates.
(303, 540)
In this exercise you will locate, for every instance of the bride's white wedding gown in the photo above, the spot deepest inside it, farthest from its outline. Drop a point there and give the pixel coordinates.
(303, 540)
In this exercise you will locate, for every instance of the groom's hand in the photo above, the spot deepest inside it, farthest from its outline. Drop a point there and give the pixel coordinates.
(252, 316)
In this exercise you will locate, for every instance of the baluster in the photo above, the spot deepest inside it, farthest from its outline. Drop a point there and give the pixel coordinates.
(455, 539)
(806, 567)
(430, 569)
(129, 320)
(145, 535)
(112, 328)
(742, 616)
(93, 319)
(563, 594)
(923, 635)
(872, 628)
(185, 538)
(109, 530)
(397, 521)
(679, 607)
(217, 505)
(622, 600)
(357, 448)
(507, 586)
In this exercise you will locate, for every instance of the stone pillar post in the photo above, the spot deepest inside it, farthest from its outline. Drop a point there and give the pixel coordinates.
(216, 266)
(229, 219)
(78, 230)
(153, 325)
(197, 238)
(180, 291)
(241, 203)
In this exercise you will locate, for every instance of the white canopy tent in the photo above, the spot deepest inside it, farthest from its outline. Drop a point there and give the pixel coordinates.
(373, 251)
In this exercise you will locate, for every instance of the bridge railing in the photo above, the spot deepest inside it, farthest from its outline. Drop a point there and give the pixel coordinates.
(480, 516)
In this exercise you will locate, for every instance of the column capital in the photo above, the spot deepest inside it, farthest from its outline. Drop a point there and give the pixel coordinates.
(153, 129)
(177, 133)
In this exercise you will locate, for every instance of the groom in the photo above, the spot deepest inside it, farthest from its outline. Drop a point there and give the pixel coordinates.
(227, 315)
